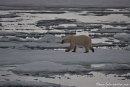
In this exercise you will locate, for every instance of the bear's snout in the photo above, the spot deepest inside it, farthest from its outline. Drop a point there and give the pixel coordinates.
(62, 41)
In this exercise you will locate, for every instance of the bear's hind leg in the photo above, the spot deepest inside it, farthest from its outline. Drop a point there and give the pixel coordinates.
(91, 48)
(74, 49)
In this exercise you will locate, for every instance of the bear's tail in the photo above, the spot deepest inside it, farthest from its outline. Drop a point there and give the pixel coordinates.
(91, 48)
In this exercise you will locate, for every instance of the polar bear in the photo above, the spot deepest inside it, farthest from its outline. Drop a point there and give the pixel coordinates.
(81, 40)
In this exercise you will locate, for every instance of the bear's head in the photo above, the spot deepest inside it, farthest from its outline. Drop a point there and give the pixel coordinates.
(66, 39)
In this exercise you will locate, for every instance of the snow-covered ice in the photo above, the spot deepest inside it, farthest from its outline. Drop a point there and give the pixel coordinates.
(51, 61)
(14, 56)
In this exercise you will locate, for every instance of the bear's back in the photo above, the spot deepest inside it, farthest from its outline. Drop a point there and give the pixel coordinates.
(81, 39)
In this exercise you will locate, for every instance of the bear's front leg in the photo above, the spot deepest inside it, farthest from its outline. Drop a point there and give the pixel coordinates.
(67, 50)
(86, 49)
(74, 49)
(70, 48)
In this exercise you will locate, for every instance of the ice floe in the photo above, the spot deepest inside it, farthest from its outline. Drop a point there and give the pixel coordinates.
(14, 56)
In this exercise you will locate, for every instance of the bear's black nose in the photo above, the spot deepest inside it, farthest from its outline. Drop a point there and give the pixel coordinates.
(62, 42)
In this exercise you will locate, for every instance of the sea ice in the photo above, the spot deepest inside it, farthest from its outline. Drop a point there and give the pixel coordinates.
(14, 56)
